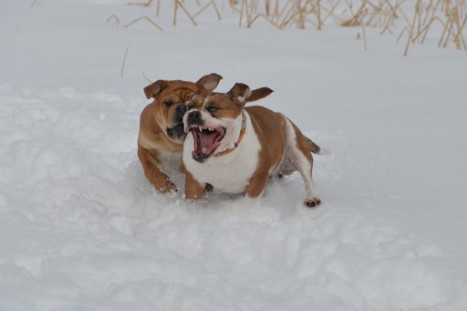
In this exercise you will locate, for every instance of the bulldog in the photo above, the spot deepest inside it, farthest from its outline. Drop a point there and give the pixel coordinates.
(237, 149)
(161, 133)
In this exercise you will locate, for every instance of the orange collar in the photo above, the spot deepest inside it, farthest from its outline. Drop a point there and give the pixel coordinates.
(242, 133)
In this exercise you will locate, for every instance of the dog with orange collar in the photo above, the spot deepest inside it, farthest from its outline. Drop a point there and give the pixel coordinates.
(237, 149)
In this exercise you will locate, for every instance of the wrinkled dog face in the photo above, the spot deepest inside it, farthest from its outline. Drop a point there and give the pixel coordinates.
(212, 119)
(170, 98)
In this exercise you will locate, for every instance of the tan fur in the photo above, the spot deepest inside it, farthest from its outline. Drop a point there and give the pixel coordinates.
(270, 128)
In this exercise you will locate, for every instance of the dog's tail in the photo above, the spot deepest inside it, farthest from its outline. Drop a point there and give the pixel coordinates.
(314, 148)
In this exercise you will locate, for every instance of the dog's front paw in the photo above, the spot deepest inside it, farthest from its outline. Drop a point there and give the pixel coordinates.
(209, 188)
(312, 202)
(168, 187)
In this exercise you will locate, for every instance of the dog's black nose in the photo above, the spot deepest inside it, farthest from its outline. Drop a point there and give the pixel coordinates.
(194, 117)
(179, 113)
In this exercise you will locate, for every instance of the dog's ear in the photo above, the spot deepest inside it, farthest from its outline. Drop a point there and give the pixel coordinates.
(154, 89)
(240, 93)
(208, 82)
(257, 94)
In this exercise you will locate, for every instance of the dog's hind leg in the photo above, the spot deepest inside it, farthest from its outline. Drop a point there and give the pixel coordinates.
(298, 151)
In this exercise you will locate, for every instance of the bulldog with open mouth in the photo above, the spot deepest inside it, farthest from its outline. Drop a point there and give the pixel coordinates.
(237, 149)
(161, 133)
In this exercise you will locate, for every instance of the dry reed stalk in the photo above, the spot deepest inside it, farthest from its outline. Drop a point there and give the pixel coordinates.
(331, 13)
(300, 17)
(281, 12)
(428, 22)
(417, 12)
(174, 22)
(254, 20)
(393, 11)
(459, 38)
(186, 12)
(268, 7)
(364, 37)
(219, 17)
(254, 6)
(424, 31)
(446, 34)
(145, 4)
(428, 10)
(211, 3)
(158, 9)
(270, 21)
(287, 18)
(447, 26)
(233, 4)
(318, 14)
(374, 12)
(276, 9)
(248, 14)
(115, 18)
(401, 34)
(241, 13)
(450, 14)
(141, 18)
(202, 10)
(356, 18)
(460, 31)
(401, 11)
(124, 61)
(393, 16)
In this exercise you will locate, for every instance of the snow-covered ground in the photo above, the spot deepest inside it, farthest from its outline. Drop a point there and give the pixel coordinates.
(81, 228)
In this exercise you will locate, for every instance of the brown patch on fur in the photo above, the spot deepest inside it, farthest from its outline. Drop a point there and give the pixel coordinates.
(267, 124)
(224, 110)
(258, 94)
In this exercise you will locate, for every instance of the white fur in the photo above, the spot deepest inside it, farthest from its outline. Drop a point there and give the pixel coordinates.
(169, 162)
(324, 151)
(301, 163)
(231, 172)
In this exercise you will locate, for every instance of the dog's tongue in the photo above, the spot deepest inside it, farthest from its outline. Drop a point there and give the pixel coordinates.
(205, 143)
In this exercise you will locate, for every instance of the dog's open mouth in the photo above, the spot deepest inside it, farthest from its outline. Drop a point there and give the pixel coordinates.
(206, 141)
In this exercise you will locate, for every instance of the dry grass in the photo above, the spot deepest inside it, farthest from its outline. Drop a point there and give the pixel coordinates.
(440, 20)
(124, 61)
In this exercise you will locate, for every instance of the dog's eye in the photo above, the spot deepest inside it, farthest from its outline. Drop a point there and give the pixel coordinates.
(212, 109)
(168, 103)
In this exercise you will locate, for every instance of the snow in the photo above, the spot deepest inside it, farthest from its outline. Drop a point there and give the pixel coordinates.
(81, 228)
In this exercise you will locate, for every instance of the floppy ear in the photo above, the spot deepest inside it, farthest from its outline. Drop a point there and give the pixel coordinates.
(240, 93)
(208, 82)
(154, 89)
(257, 94)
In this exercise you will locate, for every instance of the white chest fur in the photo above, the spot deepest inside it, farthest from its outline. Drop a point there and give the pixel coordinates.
(170, 162)
(231, 172)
